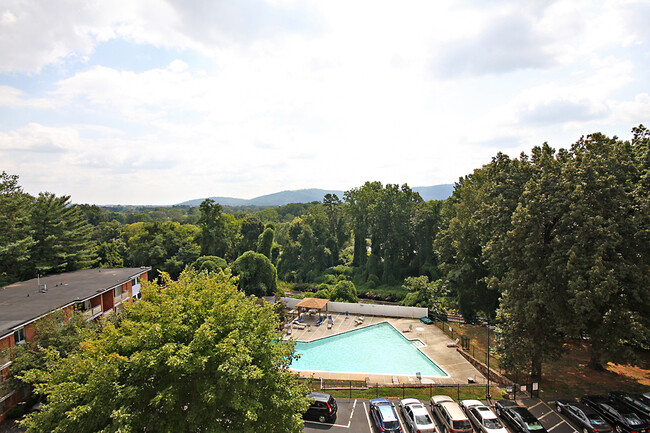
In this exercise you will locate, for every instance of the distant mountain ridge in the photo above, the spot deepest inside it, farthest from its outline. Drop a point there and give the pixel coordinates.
(435, 192)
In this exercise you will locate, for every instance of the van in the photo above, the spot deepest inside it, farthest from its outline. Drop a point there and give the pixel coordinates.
(451, 417)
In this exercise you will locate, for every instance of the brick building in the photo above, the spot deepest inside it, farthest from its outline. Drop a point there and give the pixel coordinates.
(94, 292)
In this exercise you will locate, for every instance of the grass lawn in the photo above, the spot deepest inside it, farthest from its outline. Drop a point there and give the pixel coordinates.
(570, 375)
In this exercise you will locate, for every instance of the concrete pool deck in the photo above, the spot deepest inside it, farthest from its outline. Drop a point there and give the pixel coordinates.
(447, 358)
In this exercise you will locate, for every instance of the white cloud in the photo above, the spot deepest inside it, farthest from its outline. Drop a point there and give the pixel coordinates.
(306, 94)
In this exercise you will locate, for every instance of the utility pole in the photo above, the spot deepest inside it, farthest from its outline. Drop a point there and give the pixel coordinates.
(487, 388)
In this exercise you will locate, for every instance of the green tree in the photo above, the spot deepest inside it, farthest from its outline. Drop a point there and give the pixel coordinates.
(62, 237)
(606, 272)
(16, 240)
(59, 332)
(251, 229)
(257, 275)
(533, 310)
(423, 293)
(209, 263)
(265, 242)
(344, 291)
(195, 355)
(213, 237)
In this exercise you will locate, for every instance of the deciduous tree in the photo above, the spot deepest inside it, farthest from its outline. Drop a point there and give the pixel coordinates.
(195, 355)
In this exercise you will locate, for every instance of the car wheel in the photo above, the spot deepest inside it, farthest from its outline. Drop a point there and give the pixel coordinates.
(559, 408)
(585, 430)
(619, 429)
(322, 418)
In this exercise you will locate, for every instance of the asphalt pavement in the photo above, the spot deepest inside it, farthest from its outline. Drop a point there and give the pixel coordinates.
(354, 417)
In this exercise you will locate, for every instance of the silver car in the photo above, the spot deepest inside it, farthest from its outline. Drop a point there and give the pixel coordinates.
(416, 417)
(482, 417)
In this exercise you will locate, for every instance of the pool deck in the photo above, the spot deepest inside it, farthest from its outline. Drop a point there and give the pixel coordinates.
(447, 358)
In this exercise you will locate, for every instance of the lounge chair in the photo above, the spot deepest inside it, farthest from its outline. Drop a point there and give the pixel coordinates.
(298, 325)
(320, 320)
(418, 375)
(453, 343)
(330, 320)
(409, 329)
(358, 322)
(347, 315)
(329, 325)
(395, 380)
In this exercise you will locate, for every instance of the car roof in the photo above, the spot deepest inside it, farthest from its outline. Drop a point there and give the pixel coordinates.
(454, 410)
(385, 409)
(469, 403)
(440, 398)
(319, 396)
(524, 413)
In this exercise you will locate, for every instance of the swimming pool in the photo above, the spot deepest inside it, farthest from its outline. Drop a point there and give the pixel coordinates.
(375, 349)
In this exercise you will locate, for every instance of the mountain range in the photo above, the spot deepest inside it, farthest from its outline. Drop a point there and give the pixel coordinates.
(435, 192)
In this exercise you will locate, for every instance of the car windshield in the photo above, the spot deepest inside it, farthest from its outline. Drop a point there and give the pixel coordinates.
(533, 425)
(462, 425)
(422, 419)
(492, 423)
(596, 420)
(632, 419)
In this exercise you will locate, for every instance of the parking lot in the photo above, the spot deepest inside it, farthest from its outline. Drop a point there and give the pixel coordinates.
(354, 416)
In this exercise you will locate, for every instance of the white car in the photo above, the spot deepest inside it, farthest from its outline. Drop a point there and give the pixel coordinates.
(482, 417)
(416, 416)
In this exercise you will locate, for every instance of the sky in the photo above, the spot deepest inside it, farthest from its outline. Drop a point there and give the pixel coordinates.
(155, 102)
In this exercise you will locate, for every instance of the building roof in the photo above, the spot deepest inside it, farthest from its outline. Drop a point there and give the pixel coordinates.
(23, 302)
(315, 303)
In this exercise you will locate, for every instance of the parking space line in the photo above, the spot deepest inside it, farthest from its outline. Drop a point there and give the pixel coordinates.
(547, 413)
(538, 403)
(367, 417)
(352, 413)
(555, 425)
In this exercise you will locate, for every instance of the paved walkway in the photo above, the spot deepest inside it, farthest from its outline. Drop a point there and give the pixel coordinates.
(435, 340)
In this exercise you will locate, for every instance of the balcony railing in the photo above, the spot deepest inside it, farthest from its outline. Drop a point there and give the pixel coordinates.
(123, 297)
(92, 312)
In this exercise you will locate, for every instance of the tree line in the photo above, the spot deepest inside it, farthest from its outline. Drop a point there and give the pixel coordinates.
(547, 246)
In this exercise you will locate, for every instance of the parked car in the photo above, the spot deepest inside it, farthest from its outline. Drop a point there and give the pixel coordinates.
(617, 414)
(322, 407)
(415, 416)
(451, 416)
(583, 417)
(637, 402)
(384, 416)
(518, 417)
(482, 417)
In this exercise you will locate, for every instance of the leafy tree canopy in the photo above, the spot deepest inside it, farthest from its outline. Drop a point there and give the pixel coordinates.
(195, 355)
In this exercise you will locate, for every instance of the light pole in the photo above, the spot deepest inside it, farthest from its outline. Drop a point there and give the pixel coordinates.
(487, 387)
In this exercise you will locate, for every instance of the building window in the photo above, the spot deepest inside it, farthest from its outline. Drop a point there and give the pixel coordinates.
(135, 281)
(19, 336)
(118, 291)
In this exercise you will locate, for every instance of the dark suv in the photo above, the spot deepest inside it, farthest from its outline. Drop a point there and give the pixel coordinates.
(322, 407)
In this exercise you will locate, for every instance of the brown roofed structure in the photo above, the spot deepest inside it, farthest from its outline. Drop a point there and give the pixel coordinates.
(313, 304)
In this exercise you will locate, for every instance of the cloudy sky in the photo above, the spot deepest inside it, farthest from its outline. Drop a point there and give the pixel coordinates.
(161, 101)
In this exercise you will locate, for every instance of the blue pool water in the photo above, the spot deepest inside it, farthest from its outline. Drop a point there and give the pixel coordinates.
(377, 349)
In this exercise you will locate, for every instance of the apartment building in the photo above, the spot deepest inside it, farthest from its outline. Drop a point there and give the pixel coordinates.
(94, 292)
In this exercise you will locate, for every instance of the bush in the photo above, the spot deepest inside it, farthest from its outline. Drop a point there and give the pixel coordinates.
(373, 282)
(344, 291)
(340, 270)
(323, 293)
